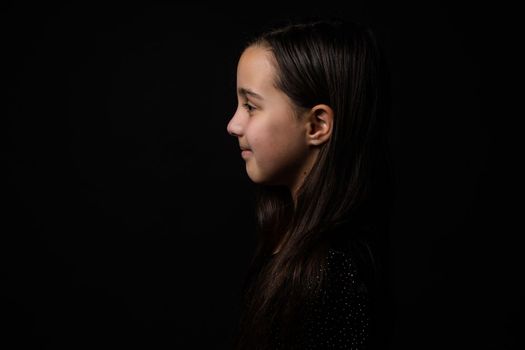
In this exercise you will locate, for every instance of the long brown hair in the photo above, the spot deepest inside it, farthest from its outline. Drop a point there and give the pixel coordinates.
(336, 63)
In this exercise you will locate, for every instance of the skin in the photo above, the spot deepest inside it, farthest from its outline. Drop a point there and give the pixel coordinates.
(280, 147)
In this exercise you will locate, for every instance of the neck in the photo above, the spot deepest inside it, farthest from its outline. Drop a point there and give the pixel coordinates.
(308, 164)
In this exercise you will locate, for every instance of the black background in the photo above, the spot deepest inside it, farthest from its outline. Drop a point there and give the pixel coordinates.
(128, 216)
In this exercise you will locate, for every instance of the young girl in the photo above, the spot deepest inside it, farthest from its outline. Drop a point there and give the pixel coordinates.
(310, 122)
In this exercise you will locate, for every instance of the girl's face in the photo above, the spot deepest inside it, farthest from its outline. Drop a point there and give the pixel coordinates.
(272, 138)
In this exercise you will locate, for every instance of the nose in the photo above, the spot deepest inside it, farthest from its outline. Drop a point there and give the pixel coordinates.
(234, 126)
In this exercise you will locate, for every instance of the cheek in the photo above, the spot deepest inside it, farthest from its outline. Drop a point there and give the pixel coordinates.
(266, 140)
(277, 146)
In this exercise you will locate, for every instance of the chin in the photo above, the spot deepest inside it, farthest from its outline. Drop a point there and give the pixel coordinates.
(265, 181)
(255, 176)
(257, 180)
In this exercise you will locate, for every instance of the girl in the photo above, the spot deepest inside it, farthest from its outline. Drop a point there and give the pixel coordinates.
(310, 122)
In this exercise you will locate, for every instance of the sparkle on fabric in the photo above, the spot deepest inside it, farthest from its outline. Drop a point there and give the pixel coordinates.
(338, 318)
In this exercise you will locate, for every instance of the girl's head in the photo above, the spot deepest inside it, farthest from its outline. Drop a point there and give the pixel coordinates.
(278, 138)
(307, 101)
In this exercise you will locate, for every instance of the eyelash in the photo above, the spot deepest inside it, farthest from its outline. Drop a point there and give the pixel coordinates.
(248, 107)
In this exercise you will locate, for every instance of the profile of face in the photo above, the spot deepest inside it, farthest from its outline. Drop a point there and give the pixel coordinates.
(276, 144)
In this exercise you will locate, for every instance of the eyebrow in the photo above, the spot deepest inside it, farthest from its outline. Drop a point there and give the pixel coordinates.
(244, 92)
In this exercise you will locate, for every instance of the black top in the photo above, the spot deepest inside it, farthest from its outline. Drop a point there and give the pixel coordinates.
(339, 317)
(344, 314)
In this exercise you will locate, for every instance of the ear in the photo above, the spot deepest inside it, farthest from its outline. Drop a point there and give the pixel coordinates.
(319, 124)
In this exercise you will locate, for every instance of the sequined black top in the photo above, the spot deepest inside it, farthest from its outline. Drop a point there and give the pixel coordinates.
(338, 318)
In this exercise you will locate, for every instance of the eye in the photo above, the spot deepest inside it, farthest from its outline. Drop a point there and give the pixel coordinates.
(248, 107)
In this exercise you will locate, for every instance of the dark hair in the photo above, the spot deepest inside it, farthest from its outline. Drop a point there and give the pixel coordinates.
(337, 63)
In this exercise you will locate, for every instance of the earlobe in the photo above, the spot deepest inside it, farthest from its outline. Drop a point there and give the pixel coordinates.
(319, 124)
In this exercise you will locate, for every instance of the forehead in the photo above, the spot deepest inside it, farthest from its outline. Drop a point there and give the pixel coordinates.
(255, 69)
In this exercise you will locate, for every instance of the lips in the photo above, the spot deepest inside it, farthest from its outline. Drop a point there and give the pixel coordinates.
(245, 152)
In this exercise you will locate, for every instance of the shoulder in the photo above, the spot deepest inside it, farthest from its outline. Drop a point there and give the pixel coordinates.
(341, 263)
(353, 247)
(344, 288)
(338, 317)
(343, 277)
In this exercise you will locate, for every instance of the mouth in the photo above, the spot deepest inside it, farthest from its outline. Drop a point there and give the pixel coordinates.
(245, 152)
